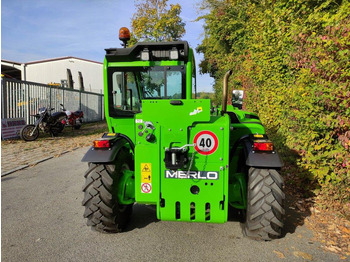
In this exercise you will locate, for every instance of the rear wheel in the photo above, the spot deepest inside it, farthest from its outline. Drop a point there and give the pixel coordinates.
(264, 216)
(78, 124)
(58, 128)
(102, 210)
(27, 133)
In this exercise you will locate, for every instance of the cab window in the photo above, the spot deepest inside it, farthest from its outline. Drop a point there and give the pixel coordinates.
(125, 95)
(128, 86)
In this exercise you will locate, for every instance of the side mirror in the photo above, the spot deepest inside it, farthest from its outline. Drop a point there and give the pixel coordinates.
(237, 98)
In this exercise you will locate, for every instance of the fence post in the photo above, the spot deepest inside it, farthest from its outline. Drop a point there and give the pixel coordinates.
(101, 98)
(3, 98)
(79, 99)
(50, 96)
(27, 88)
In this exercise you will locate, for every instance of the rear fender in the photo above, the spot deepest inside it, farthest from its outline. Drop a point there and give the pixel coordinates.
(260, 159)
(105, 155)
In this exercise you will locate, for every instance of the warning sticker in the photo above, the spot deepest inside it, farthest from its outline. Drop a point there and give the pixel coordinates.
(146, 167)
(146, 173)
(206, 142)
(146, 188)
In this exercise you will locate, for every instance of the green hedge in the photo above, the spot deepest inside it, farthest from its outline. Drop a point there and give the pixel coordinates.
(292, 58)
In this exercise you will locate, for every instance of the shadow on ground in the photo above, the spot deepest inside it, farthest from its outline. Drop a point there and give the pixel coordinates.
(298, 188)
(142, 216)
(86, 129)
(293, 217)
(3, 179)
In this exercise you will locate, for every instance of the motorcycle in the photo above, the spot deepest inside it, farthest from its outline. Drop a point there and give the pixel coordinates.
(73, 119)
(46, 122)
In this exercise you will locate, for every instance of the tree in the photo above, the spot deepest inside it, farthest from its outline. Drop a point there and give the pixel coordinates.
(292, 60)
(155, 22)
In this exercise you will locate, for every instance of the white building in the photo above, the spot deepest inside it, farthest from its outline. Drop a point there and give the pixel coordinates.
(70, 71)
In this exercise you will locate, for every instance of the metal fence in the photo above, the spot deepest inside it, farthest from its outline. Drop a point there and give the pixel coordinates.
(21, 99)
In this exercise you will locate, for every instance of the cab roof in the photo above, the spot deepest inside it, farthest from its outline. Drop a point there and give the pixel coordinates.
(157, 51)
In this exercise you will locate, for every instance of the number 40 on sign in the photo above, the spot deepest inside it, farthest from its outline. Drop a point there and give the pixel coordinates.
(206, 142)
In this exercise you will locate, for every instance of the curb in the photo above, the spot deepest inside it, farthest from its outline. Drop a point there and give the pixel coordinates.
(14, 170)
(41, 160)
(36, 162)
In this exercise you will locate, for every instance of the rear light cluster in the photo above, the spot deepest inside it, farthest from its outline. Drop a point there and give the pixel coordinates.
(102, 144)
(106, 141)
(265, 146)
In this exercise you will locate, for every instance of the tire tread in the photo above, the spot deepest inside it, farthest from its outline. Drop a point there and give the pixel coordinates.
(264, 220)
(102, 210)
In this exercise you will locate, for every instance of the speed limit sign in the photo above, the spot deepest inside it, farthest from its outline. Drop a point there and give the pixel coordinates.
(206, 142)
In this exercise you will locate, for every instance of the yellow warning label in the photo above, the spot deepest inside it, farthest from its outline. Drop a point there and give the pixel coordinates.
(146, 173)
(258, 136)
(111, 134)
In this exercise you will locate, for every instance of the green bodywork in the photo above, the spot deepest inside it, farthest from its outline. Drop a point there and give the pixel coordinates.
(202, 189)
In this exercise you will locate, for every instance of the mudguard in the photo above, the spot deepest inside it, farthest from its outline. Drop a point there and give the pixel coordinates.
(261, 159)
(104, 155)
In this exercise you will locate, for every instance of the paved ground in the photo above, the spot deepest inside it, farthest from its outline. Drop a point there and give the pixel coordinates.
(42, 221)
(18, 154)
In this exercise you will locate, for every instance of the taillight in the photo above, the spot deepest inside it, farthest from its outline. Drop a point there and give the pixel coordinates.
(102, 144)
(263, 146)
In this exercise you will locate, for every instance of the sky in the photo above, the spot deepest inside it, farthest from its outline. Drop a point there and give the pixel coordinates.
(42, 29)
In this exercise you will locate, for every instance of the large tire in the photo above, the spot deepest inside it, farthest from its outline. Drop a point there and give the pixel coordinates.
(102, 210)
(25, 133)
(264, 216)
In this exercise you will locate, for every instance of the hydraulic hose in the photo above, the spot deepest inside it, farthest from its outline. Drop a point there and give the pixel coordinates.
(129, 140)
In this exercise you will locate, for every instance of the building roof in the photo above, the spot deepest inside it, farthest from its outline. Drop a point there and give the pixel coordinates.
(50, 60)
(10, 62)
(62, 58)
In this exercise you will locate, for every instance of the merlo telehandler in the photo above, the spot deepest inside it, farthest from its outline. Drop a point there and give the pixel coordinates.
(168, 149)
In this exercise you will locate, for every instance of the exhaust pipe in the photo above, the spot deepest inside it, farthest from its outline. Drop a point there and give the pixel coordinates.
(225, 91)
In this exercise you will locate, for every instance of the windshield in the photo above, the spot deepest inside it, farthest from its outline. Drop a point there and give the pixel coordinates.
(42, 110)
(158, 83)
(128, 86)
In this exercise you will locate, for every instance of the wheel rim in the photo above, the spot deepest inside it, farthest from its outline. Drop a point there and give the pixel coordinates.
(27, 133)
(124, 167)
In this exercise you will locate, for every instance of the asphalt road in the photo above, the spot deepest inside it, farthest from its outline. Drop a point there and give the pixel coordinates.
(42, 220)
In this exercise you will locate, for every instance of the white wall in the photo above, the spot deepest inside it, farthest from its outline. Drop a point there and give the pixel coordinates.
(56, 70)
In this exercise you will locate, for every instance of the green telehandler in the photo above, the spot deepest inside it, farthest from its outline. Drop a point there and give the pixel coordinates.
(168, 149)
